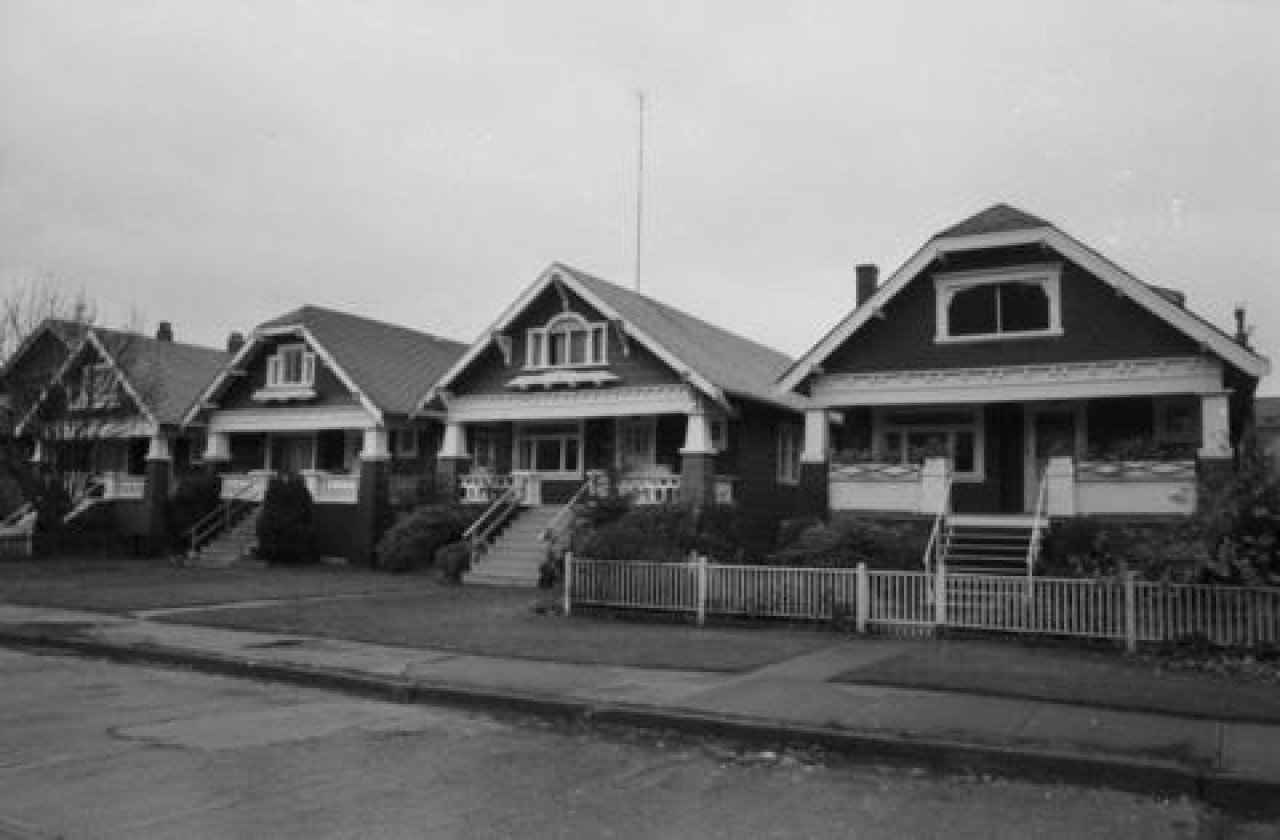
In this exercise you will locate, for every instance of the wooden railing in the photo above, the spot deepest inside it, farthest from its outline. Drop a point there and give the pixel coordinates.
(242, 497)
(650, 489)
(332, 488)
(251, 486)
(1123, 609)
(481, 488)
(481, 532)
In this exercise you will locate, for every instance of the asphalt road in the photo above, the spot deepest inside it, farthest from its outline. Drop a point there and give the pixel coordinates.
(91, 749)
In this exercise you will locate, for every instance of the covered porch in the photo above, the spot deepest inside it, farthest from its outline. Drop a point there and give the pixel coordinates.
(651, 457)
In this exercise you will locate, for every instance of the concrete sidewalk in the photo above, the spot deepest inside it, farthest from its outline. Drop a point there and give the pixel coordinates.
(1229, 764)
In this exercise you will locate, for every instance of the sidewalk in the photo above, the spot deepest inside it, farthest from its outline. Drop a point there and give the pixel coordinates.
(1230, 764)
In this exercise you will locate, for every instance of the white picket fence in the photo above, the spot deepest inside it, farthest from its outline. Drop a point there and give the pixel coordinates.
(1125, 608)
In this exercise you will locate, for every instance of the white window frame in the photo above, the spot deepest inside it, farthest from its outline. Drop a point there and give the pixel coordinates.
(532, 434)
(882, 428)
(99, 386)
(947, 286)
(538, 342)
(276, 367)
(790, 448)
(483, 441)
(404, 442)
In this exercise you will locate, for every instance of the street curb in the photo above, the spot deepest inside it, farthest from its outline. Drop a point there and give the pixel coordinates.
(1251, 797)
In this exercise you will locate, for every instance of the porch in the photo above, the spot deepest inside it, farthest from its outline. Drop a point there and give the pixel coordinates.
(1108, 456)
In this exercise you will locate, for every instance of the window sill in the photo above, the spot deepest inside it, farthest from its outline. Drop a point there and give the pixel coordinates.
(283, 393)
(995, 337)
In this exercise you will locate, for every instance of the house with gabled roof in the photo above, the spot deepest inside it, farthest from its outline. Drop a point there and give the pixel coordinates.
(328, 395)
(1009, 370)
(583, 385)
(110, 423)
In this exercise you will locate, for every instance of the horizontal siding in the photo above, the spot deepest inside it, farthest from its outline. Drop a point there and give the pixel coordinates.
(329, 388)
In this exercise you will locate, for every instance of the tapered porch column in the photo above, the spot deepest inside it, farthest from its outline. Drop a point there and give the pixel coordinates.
(1215, 436)
(217, 452)
(452, 460)
(814, 463)
(373, 496)
(155, 496)
(698, 460)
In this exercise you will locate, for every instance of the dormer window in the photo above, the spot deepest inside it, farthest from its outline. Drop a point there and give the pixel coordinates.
(291, 374)
(566, 341)
(986, 305)
(98, 387)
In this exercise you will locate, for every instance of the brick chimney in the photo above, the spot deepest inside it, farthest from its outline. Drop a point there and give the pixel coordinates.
(164, 332)
(234, 342)
(868, 279)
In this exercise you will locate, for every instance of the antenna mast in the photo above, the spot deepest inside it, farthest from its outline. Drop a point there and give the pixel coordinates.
(639, 185)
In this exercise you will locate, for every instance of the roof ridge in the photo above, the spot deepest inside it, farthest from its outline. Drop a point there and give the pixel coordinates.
(298, 315)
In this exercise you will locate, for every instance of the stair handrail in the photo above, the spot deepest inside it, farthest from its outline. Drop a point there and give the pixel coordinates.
(1042, 502)
(218, 518)
(553, 526)
(478, 533)
(15, 518)
(933, 550)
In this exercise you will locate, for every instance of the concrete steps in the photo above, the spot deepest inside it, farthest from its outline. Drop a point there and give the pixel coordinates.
(996, 545)
(514, 558)
(231, 548)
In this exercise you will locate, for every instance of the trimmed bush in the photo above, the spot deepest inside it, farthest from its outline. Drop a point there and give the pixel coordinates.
(286, 534)
(413, 540)
(662, 534)
(844, 543)
(193, 498)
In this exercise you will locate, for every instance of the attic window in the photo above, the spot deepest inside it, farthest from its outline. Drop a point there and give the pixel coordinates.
(98, 387)
(979, 306)
(291, 374)
(568, 340)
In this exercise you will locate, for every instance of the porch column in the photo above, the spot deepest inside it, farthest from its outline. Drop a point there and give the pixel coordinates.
(933, 486)
(217, 452)
(451, 460)
(814, 464)
(1061, 475)
(1215, 439)
(697, 460)
(155, 495)
(373, 495)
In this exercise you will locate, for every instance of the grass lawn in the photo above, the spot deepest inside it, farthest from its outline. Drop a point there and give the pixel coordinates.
(1071, 675)
(119, 585)
(503, 622)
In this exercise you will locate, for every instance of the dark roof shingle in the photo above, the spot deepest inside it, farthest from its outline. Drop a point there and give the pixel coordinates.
(168, 376)
(997, 218)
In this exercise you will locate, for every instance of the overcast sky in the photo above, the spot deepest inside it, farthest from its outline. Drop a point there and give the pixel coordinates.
(217, 163)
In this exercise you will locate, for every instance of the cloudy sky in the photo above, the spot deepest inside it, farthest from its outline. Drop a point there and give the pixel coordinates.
(216, 163)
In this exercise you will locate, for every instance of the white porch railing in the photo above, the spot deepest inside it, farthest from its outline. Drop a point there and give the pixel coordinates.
(332, 488)
(123, 487)
(657, 489)
(1123, 609)
(1119, 487)
(482, 488)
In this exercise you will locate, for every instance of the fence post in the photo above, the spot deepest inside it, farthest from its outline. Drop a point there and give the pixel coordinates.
(1130, 612)
(940, 596)
(568, 582)
(862, 598)
(700, 572)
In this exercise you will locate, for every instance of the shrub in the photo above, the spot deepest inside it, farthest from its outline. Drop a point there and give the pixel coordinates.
(657, 534)
(1083, 547)
(845, 543)
(286, 534)
(51, 503)
(413, 540)
(193, 498)
(452, 560)
(1239, 516)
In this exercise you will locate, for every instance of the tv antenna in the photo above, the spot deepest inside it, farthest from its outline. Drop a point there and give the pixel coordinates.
(639, 184)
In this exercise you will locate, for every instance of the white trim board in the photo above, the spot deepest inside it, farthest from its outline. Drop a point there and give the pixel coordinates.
(573, 405)
(1083, 256)
(1019, 383)
(294, 419)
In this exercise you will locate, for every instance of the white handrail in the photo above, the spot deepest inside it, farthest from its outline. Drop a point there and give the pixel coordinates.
(1033, 550)
(934, 546)
(208, 524)
(554, 524)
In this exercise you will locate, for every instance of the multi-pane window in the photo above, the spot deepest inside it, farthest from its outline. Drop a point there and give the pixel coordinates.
(404, 443)
(908, 437)
(567, 341)
(292, 366)
(1020, 304)
(790, 445)
(637, 438)
(484, 449)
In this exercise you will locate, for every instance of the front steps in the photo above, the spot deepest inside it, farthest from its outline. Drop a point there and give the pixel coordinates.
(233, 547)
(516, 555)
(993, 545)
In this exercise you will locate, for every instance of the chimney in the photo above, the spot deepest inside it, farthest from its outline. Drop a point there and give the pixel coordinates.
(164, 332)
(868, 278)
(234, 342)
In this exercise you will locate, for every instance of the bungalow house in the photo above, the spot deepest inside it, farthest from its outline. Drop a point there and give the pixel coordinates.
(109, 424)
(1045, 380)
(328, 395)
(585, 386)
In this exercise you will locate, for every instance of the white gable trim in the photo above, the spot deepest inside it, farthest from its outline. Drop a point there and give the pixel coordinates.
(256, 340)
(91, 339)
(1088, 259)
(566, 276)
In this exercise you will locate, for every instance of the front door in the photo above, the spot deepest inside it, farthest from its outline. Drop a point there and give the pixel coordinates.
(1050, 430)
(551, 453)
(291, 454)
